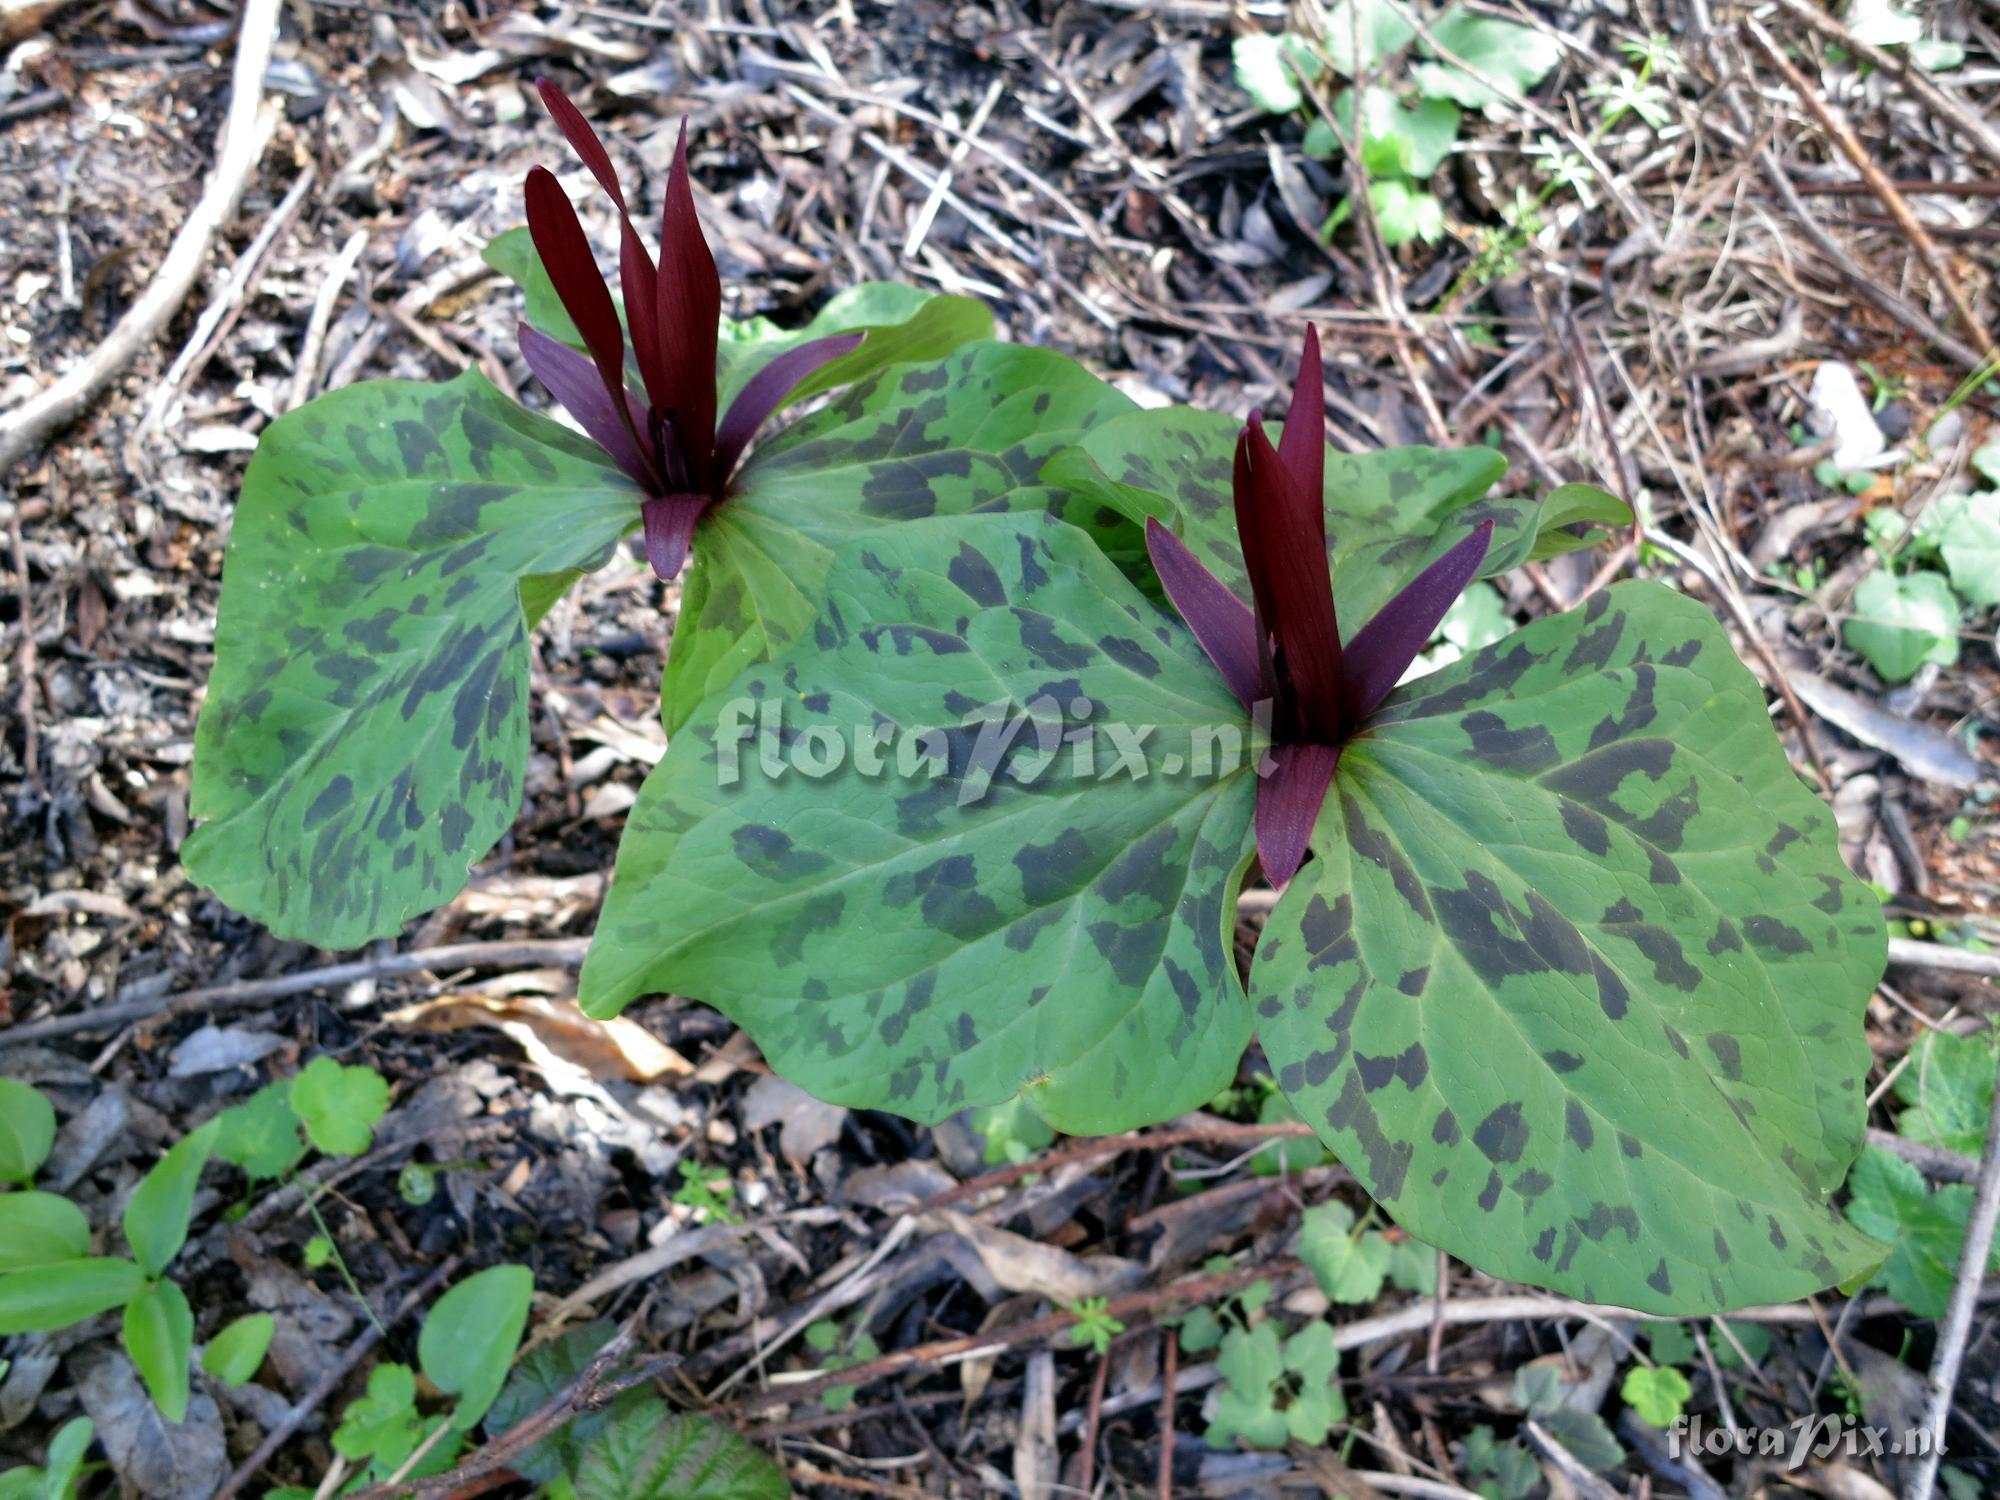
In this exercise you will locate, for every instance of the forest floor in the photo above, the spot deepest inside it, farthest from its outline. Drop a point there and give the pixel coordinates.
(1655, 265)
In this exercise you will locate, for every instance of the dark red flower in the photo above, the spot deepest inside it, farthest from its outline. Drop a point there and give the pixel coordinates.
(664, 434)
(1284, 649)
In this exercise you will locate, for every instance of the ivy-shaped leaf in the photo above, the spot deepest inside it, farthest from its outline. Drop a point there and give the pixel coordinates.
(366, 728)
(1658, 1395)
(1948, 1088)
(1513, 57)
(1572, 983)
(1889, 1199)
(1900, 623)
(963, 434)
(1347, 1266)
(1027, 929)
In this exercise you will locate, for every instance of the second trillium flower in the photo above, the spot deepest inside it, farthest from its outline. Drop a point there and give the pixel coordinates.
(663, 433)
(1284, 649)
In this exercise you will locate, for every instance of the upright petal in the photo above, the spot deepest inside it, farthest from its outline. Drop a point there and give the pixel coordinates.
(766, 390)
(1288, 804)
(582, 139)
(670, 522)
(566, 256)
(1303, 446)
(1226, 629)
(690, 308)
(1382, 650)
(1290, 531)
(574, 382)
(1250, 535)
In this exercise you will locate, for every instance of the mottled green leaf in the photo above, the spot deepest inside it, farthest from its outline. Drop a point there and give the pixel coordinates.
(1887, 1197)
(159, 1337)
(469, 1338)
(49, 1297)
(156, 1215)
(339, 1105)
(963, 434)
(1389, 514)
(647, 1454)
(1948, 1088)
(39, 1229)
(366, 728)
(926, 940)
(236, 1351)
(1900, 623)
(903, 324)
(27, 1130)
(1574, 985)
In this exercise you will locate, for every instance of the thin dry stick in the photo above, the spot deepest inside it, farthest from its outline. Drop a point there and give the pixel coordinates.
(1965, 1289)
(564, 953)
(1169, 1379)
(1953, 110)
(322, 316)
(330, 1381)
(1878, 183)
(246, 130)
(920, 227)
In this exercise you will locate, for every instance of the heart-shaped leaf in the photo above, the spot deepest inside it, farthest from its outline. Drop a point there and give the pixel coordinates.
(1027, 928)
(366, 728)
(1900, 623)
(339, 1105)
(966, 433)
(1573, 983)
(1485, 61)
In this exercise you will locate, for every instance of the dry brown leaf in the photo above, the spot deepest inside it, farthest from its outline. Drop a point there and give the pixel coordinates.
(618, 1048)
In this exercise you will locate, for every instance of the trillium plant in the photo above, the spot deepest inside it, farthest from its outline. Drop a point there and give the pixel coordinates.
(988, 691)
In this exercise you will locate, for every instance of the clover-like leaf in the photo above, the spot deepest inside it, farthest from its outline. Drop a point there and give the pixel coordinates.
(1573, 985)
(963, 434)
(1887, 1197)
(1347, 1266)
(366, 728)
(1900, 623)
(339, 1105)
(1028, 927)
(1389, 514)
(1948, 1088)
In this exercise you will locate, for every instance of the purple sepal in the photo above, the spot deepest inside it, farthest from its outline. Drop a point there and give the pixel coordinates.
(765, 391)
(1226, 630)
(670, 522)
(1288, 803)
(1382, 651)
(573, 380)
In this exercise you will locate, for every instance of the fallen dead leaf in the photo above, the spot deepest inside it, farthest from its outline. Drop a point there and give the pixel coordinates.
(545, 1027)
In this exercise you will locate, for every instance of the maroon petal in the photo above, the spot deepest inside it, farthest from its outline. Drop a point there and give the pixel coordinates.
(1290, 532)
(582, 139)
(1288, 803)
(1303, 446)
(765, 391)
(566, 256)
(670, 522)
(1250, 535)
(690, 307)
(1381, 652)
(1227, 631)
(573, 381)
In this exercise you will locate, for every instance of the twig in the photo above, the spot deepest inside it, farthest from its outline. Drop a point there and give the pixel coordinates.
(590, 1391)
(920, 227)
(1947, 105)
(246, 130)
(1169, 1378)
(552, 952)
(1934, 1162)
(1567, 1463)
(24, 656)
(1094, 1413)
(1878, 183)
(1907, 954)
(322, 316)
(1965, 1289)
(329, 1381)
